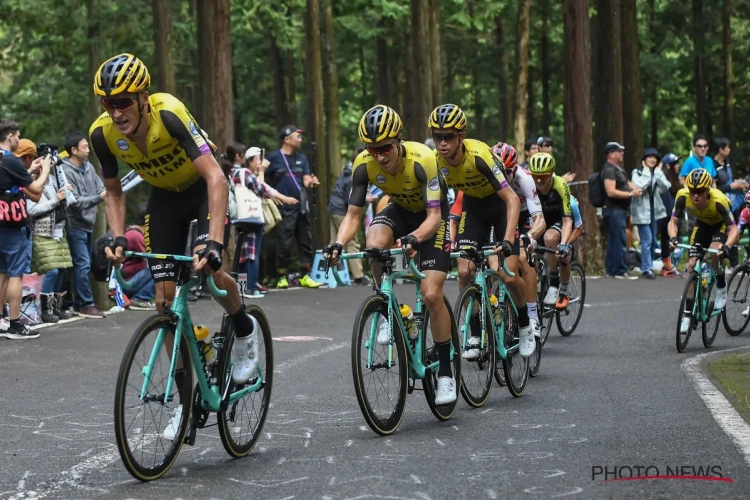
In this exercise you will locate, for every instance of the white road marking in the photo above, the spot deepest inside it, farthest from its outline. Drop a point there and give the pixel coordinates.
(630, 302)
(439, 442)
(306, 357)
(22, 482)
(725, 415)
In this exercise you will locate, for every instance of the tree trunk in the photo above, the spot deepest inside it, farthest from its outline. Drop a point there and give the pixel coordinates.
(522, 74)
(216, 74)
(531, 126)
(290, 75)
(653, 82)
(204, 58)
(163, 44)
(544, 54)
(435, 61)
(315, 99)
(279, 85)
(577, 120)
(420, 70)
(477, 126)
(608, 86)
(726, 50)
(701, 108)
(384, 67)
(363, 77)
(502, 81)
(632, 92)
(333, 123)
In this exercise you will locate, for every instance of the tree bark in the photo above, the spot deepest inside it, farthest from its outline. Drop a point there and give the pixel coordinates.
(279, 84)
(478, 126)
(726, 49)
(578, 133)
(632, 92)
(163, 45)
(384, 67)
(203, 89)
(315, 99)
(363, 76)
(290, 72)
(701, 108)
(435, 61)
(522, 75)
(545, 73)
(608, 85)
(420, 81)
(502, 81)
(333, 124)
(653, 82)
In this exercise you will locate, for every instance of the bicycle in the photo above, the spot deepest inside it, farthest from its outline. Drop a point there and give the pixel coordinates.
(404, 365)
(567, 319)
(702, 310)
(174, 344)
(740, 280)
(502, 343)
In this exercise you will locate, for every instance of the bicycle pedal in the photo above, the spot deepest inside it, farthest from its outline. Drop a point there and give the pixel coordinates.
(410, 386)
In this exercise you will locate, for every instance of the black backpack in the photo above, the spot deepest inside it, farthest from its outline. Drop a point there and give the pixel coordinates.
(100, 264)
(597, 193)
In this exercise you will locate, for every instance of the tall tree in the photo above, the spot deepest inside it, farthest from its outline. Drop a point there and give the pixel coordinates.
(163, 45)
(608, 76)
(435, 60)
(545, 72)
(420, 80)
(385, 67)
(521, 73)
(502, 80)
(653, 82)
(699, 70)
(331, 85)
(290, 73)
(281, 101)
(577, 119)
(632, 89)
(476, 70)
(726, 52)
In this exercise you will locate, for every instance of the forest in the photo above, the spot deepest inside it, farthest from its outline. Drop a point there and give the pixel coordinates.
(641, 72)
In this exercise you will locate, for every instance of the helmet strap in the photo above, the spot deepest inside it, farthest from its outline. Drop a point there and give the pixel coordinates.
(140, 116)
(459, 148)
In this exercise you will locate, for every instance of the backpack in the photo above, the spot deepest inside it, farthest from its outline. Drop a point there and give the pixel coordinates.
(597, 193)
(100, 264)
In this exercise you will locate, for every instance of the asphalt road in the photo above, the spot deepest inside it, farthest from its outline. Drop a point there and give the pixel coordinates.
(610, 395)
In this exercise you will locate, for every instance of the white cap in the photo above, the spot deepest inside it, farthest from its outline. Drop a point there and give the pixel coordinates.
(252, 152)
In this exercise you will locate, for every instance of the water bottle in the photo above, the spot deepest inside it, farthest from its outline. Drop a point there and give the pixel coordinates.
(205, 345)
(705, 273)
(495, 309)
(409, 323)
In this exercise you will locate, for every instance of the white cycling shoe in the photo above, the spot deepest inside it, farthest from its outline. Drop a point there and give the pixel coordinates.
(472, 351)
(173, 425)
(721, 298)
(245, 355)
(384, 336)
(526, 339)
(551, 298)
(446, 391)
(746, 311)
(685, 324)
(535, 328)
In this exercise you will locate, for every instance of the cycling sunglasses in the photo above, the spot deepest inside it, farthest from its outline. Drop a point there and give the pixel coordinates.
(541, 177)
(698, 191)
(118, 103)
(448, 137)
(381, 150)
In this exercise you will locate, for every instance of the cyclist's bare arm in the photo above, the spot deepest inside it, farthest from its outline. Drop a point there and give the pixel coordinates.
(218, 194)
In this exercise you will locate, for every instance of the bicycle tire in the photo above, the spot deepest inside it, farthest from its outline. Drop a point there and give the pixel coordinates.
(487, 357)
(515, 385)
(743, 271)
(429, 382)
(381, 426)
(567, 332)
(546, 315)
(535, 360)
(227, 418)
(133, 466)
(692, 279)
(710, 328)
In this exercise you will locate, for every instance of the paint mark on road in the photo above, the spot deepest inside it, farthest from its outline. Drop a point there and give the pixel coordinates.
(280, 368)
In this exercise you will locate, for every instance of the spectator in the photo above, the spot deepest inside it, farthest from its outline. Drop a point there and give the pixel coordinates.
(289, 173)
(698, 160)
(430, 143)
(671, 167)
(89, 191)
(14, 240)
(545, 144)
(50, 252)
(733, 189)
(615, 211)
(337, 207)
(530, 149)
(135, 269)
(649, 208)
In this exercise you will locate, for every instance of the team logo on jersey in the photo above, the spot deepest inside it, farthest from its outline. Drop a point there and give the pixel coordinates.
(434, 185)
(496, 170)
(123, 144)
(194, 129)
(445, 171)
(380, 179)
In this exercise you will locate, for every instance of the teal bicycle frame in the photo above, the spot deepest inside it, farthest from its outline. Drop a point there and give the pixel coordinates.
(417, 369)
(212, 399)
(700, 303)
(480, 280)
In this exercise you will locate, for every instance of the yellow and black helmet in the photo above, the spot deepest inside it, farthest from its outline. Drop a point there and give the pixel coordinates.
(380, 122)
(542, 163)
(123, 73)
(447, 116)
(699, 179)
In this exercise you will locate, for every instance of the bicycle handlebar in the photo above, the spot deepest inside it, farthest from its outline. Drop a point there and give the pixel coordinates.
(127, 285)
(368, 253)
(486, 252)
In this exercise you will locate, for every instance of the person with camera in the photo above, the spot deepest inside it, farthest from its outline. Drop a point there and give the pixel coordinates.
(50, 253)
(15, 179)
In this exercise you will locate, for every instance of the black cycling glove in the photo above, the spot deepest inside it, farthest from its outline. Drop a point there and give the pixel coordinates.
(212, 253)
(334, 247)
(507, 248)
(410, 239)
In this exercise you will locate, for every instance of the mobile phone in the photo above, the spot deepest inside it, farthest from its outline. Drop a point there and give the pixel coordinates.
(262, 154)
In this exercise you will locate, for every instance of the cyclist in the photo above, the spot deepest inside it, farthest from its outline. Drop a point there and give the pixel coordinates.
(488, 204)
(415, 217)
(158, 138)
(714, 228)
(531, 224)
(554, 195)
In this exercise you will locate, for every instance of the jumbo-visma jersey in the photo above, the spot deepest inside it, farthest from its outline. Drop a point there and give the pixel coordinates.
(174, 140)
(718, 209)
(479, 175)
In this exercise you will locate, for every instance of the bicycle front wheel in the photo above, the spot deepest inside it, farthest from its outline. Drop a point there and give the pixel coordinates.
(546, 313)
(430, 355)
(241, 424)
(380, 371)
(476, 373)
(516, 368)
(736, 315)
(568, 318)
(683, 337)
(535, 361)
(150, 428)
(710, 327)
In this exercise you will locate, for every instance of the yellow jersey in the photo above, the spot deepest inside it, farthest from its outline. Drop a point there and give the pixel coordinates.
(718, 209)
(416, 186)
(556, 203)
(480, 173)
(174, 140)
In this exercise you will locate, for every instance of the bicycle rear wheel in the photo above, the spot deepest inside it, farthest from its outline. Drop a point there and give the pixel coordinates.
(736, 315)
(516, 368)
(241, 424)
(568, 319)
(710, 328)
(379, 379)
(535, 361)
(143, 426)
(476, 374)
(430, 355)
(682, 338)
(546, 313)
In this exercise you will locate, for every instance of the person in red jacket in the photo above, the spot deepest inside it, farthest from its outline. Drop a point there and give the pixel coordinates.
(135, 269)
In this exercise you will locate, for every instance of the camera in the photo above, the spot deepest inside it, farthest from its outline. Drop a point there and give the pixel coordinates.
(43, 150)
